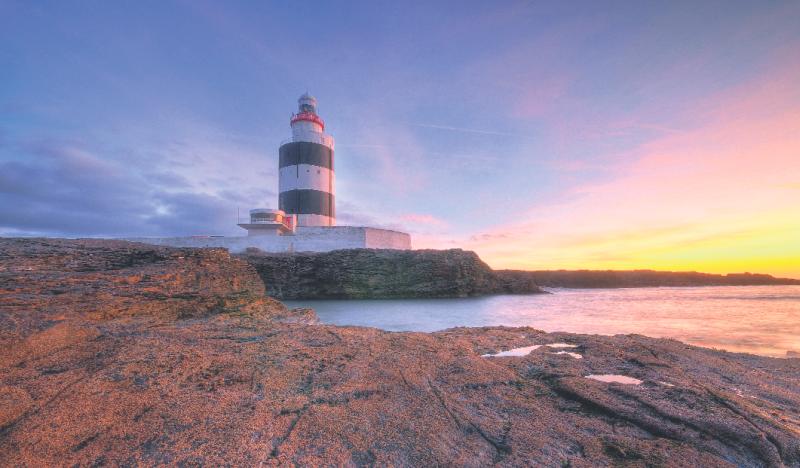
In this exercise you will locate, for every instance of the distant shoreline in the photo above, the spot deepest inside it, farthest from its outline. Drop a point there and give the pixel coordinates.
(593, 279)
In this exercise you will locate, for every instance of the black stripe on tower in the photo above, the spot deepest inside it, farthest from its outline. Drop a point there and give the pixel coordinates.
(306, 152)
(306, 201)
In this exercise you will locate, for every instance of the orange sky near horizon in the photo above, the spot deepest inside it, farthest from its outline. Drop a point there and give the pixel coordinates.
(723, 197)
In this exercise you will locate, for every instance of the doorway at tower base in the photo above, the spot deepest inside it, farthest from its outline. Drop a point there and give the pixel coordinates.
(305, 239)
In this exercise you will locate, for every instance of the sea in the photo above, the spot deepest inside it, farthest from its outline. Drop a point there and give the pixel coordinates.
(761, 320)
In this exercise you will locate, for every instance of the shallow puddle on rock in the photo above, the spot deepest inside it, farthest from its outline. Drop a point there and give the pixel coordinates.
(515, 352)
(527, 350)
(575, 355)
(614, 378)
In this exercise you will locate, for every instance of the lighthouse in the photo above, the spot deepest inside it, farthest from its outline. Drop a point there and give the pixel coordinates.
(305, 220)
(306, 177)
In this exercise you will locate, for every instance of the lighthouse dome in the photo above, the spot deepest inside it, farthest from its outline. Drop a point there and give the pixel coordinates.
(307, 103)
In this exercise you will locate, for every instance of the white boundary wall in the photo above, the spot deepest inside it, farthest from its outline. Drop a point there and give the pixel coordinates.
(306, 239)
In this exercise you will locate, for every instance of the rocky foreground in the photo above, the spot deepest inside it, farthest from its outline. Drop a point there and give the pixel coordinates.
(121, 354)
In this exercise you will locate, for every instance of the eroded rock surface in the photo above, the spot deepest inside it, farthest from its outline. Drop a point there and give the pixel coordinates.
(381, 274)
(252, 383)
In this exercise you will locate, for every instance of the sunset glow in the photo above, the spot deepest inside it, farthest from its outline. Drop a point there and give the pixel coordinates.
(722, 197)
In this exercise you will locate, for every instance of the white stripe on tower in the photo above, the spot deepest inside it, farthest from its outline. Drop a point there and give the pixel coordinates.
(306, 176)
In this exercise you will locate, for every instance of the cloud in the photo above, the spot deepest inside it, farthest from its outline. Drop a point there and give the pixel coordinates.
(424, 220)
(50, 187)
(488, 237)
(58, 195)
(468, 130)
(387, 158)
(348, 213)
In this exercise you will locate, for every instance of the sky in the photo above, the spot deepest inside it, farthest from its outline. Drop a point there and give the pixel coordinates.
(542, 135)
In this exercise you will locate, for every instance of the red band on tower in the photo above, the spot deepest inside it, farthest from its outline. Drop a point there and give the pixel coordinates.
(308, 116)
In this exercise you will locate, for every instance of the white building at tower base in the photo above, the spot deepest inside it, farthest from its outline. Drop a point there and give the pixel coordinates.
(304, 239)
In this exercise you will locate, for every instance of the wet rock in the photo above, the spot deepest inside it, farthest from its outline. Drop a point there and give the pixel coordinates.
(259, 384)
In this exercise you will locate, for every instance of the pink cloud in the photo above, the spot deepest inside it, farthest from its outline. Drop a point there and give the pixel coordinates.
(423, 219)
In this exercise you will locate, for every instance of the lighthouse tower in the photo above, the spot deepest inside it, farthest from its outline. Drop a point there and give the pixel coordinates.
(306, 178)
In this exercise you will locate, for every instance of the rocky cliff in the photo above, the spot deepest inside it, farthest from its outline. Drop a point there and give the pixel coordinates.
(368, 273)
(124, 354)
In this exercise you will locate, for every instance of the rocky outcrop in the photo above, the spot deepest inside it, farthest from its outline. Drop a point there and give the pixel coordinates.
(389, 274)
(369, 273)
(252, 383)
(639, 278)
(47, 282)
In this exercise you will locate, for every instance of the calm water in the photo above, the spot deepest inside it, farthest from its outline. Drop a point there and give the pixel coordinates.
(755, 319)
